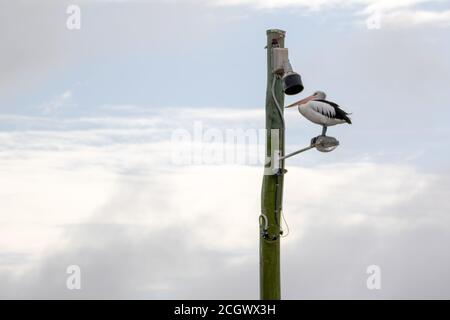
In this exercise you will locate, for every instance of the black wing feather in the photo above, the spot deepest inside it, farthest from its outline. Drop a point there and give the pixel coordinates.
(340, 114)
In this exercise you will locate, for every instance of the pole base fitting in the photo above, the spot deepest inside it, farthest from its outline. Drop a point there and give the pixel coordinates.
(281, 172)
(266, 236)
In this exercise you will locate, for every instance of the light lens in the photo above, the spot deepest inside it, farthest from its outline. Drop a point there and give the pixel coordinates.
(326, 144)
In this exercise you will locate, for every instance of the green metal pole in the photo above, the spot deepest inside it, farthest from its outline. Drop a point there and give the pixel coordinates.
(272, 187)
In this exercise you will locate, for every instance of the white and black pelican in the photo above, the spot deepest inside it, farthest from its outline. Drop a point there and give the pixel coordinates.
(318, 110)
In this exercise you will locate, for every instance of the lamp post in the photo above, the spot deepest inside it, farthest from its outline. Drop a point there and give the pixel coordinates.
(281, 79)
(272, 186)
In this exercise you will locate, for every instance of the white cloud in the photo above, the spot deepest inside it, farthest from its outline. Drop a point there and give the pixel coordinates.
(370, 5)
(393, 12)
(407, 10)
(123, 208)
(390, 5)
(60, 101)
(419, 17)
(265, 4)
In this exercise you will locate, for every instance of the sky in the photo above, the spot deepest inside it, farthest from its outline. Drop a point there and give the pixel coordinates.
(115, 153)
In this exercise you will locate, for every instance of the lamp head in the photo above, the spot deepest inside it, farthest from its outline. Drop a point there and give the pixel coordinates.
(292, 83)
(325, 143)
(291, 80)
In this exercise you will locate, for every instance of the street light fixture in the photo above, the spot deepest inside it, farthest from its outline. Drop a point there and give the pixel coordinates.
(291, 81)
(321, 143)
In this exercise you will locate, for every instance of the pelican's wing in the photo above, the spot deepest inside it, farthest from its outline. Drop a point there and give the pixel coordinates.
(323, 108)
(338, 112)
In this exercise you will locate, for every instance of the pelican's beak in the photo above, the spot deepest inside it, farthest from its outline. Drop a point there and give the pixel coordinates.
(303, 101)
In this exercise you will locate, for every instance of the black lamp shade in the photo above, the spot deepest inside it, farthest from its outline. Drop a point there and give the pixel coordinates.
(292, 83)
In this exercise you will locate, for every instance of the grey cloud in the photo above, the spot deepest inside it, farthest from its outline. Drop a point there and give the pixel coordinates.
(324, 259)
(35, 41)
(30, 44)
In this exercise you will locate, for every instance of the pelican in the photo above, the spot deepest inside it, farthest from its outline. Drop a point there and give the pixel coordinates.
(318, 110)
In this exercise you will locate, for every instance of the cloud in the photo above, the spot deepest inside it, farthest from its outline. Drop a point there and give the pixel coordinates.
(368, 5)
(386, 5)
(393, 13)
(419, 17)
(41, 46)
(142, 227)
(365, 6)
(60, 101)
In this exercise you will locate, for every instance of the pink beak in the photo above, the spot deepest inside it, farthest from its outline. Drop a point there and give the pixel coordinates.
(303, 101)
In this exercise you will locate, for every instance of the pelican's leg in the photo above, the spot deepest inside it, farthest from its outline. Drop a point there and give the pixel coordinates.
(324, 130)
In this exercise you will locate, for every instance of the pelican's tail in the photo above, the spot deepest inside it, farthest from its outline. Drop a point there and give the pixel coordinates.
(347, 119)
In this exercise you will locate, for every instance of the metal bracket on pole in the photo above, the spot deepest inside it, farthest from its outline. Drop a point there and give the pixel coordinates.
(297, 152)
(321, 143)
